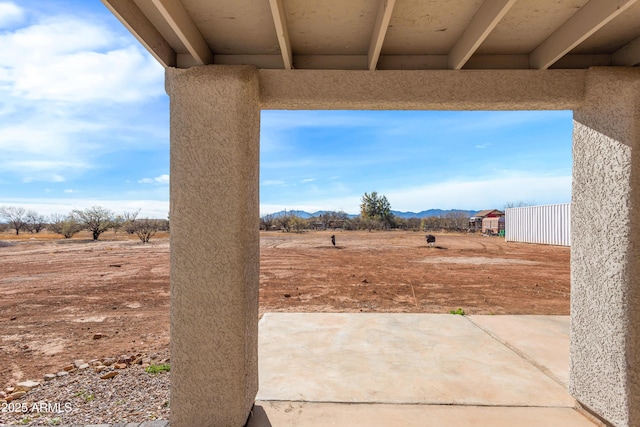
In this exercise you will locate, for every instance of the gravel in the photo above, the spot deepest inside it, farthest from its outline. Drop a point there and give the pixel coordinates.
(132, 396)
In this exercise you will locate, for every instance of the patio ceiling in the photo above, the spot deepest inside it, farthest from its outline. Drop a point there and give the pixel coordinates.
(387, 34)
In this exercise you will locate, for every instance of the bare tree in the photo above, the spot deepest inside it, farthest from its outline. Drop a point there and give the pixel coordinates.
(519, 204)
(127, 221)
(267, 222)
(283, 222)
(15, 217)
(145, 228)
(65, 225)
(96, 219)
(34, 222)
(457, 220)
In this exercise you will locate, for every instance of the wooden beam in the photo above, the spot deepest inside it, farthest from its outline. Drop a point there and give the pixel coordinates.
(586, 21)
(181, 24)
(484, 21)
(137, 23)
(273, 62)
(280, 21)
(385, 9)
(628, 54)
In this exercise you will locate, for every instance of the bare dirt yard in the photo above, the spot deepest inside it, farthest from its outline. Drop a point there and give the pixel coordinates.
(67, 299)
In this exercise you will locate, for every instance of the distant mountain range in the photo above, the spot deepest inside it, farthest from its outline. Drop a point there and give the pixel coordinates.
(423, 214)
(433, 212)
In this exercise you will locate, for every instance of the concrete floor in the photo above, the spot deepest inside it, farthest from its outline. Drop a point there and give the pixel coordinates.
(345, 369)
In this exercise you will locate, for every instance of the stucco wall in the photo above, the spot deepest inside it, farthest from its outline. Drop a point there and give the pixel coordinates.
(422, 90)
(605, 281)
(215, 114)
(215, 125)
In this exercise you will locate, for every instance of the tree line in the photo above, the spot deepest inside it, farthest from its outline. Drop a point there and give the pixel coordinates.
(375, 214)
(95, 219)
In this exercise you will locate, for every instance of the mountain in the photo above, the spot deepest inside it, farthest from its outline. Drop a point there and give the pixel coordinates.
(433, 212)
(422, 214)
(301, 214)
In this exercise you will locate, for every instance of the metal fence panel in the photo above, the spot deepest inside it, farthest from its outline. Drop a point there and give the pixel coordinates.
(547, 224)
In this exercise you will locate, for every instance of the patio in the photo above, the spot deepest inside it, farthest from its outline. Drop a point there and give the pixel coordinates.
(347, 369)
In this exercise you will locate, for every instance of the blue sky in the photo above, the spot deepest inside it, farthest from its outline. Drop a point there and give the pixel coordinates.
(84, 120)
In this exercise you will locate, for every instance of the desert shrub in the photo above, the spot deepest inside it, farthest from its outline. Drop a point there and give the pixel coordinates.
(145, 228)
(64, 225)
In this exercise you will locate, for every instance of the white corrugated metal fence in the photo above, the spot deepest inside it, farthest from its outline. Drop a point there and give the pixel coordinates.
(548, 224)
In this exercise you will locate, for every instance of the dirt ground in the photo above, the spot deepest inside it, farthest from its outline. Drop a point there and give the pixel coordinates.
(57, 294)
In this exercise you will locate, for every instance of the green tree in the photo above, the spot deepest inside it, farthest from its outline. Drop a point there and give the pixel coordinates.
(297, 223)
(376, 208)
(96, 219)
(64, 225)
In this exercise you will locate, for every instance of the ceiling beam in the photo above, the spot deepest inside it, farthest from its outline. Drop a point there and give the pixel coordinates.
(385, 9)
(627, 55)
(483, 22)
(280, 21)
(137, 23)
(421, 90)
(586, 21)
(181, 24)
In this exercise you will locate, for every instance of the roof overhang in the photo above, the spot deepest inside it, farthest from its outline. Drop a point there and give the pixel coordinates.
(387, 34)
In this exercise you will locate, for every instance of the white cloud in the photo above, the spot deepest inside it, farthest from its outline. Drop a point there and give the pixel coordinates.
(71, 90)
(349, 204)
(70, 190)
(162, 179)
(281, 120)
(10, 14)
(74, 61)
(307, 180)
(483, 193)
(148, 208)
(272, 182)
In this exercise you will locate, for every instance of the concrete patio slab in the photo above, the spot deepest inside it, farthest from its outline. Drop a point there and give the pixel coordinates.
(543, 340)
(395, 359)
(309, 414)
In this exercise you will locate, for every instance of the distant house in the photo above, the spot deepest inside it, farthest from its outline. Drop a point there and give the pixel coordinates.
(488, 220)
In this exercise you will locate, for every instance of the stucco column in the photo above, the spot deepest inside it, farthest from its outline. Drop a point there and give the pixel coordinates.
(605, 262)
(215, 130)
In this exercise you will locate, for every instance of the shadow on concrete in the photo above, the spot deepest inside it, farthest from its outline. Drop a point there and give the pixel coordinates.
(258, 418)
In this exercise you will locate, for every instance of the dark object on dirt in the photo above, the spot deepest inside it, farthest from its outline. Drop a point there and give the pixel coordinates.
(115, 265)
(333, 239)
(4, 244)
(287, 295)
(431, 240)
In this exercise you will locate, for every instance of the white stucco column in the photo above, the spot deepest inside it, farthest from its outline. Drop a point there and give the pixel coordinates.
(605, 261)
(215, 130)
